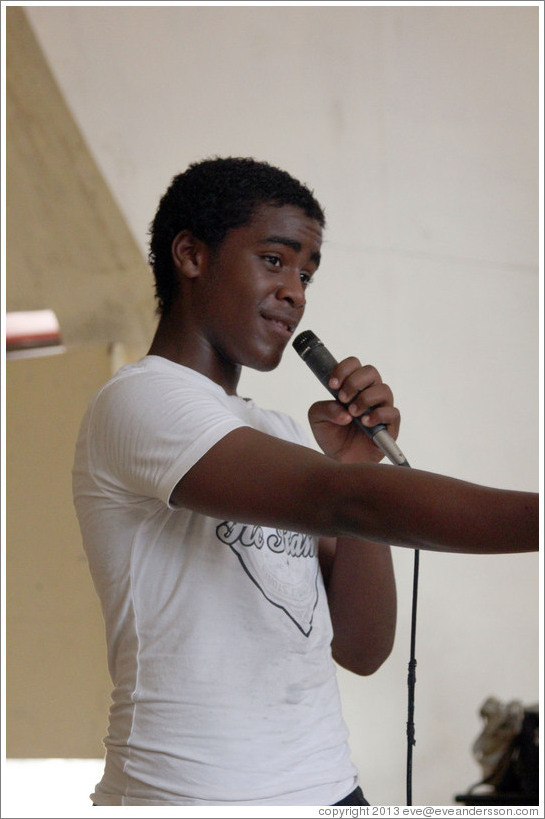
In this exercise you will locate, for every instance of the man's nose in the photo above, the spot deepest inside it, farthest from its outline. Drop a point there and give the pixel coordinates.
(292, 290)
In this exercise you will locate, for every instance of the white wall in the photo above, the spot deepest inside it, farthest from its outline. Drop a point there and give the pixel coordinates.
(417, 128)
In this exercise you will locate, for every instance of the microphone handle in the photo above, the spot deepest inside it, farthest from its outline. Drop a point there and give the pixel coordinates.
(321, 362)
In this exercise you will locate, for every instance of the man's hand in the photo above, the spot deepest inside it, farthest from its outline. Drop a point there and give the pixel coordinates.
(367, 398)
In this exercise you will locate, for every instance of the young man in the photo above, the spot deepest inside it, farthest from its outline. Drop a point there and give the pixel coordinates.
(233, 562)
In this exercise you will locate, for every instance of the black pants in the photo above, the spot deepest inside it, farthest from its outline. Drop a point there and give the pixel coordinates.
(354, 798)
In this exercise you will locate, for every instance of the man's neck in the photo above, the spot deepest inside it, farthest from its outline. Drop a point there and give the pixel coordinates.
(191, 350)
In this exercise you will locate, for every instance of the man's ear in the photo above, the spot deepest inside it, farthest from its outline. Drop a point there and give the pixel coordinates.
(188, 254)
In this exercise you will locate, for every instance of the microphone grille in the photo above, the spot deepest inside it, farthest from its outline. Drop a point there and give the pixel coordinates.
(302, 341)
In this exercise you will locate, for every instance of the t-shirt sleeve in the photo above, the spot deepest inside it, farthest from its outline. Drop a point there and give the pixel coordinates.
(145, 434)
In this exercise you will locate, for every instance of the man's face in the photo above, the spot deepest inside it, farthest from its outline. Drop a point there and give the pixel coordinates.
(252, 292)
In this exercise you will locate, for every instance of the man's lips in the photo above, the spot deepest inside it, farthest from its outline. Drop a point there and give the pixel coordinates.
(286, 324)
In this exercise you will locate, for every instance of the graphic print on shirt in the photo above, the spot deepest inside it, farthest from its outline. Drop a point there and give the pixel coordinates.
(283, 565)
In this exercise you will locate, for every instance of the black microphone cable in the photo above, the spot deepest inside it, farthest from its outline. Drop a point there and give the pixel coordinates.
(321, 362)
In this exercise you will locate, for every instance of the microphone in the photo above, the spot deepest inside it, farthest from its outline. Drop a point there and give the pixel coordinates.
(321, 362)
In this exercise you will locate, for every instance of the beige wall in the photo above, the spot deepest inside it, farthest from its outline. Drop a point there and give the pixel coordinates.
(57, 684)
(68, 249)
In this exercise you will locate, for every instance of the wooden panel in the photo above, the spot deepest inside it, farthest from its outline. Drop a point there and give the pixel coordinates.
(58, 687)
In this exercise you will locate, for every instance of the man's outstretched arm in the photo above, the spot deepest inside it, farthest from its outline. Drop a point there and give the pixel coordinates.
(256, 478)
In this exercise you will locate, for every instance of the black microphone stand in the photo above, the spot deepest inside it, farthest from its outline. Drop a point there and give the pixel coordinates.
(411, 682)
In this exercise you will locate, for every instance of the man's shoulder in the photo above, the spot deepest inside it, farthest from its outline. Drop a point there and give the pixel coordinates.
(156, 374)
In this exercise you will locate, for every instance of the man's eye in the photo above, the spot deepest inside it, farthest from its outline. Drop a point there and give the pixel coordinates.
(306, 279)
(275, 261)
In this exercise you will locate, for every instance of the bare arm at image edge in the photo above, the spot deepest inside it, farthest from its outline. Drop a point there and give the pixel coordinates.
(298, 489)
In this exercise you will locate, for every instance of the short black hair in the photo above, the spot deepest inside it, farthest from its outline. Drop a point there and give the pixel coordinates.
(212, 197)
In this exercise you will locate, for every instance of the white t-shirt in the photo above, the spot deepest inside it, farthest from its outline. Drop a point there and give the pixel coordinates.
(218, 633)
